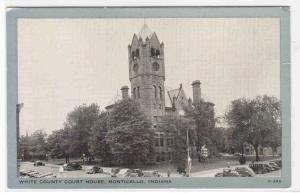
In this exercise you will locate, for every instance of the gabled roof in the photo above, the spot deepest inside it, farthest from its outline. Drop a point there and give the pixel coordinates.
(173, 95)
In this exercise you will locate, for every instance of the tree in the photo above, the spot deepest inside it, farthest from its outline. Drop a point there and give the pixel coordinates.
(253, 121)
(38, 145)
(55, 141)
(98, 146)
(129, 135)
(176, 127)
(204, 116)
(77, 129)
(24, 147)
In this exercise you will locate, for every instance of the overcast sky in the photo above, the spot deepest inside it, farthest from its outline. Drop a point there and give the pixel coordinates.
(64, 63)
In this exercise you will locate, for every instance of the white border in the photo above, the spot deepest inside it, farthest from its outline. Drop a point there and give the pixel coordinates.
(295, 71)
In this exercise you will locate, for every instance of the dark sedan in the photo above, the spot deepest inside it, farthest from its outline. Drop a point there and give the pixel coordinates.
(72, 166)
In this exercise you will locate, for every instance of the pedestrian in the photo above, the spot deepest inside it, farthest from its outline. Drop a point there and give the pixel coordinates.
(169, 172)
(83, 158)
(61, 171)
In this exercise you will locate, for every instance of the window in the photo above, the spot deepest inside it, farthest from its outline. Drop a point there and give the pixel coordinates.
(161, 140)
(135, 68)
(162, 156)
(157, 157)
(152, 52)
(155, 119)
(157, 54)
(160, 93)
(154, 91)
(138, 92)
(156, 142)
(137, 53)
(155, 66)
(134, 96)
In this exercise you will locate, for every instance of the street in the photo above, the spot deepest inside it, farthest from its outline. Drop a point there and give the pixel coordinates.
(51, 168)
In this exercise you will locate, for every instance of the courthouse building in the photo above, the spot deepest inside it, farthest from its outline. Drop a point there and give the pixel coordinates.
(147, 78)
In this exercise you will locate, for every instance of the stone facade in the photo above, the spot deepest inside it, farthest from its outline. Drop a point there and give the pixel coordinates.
(147, 73)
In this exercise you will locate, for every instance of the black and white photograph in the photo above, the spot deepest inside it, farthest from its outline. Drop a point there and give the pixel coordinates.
(149, 97)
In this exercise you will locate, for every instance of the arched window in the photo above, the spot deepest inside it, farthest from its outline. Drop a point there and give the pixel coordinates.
(138, 92)
(137, 53)
(157, 54)
(133, 55)
(154, 91)
(152, 52)
(160, 93)
(134, 96)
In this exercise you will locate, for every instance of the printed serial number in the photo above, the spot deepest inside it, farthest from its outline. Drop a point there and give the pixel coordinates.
(275, 181)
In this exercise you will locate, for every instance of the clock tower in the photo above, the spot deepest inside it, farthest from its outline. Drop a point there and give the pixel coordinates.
(147, 73)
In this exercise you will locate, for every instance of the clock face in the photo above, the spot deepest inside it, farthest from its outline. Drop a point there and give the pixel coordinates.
(155, 66)
(135, 68)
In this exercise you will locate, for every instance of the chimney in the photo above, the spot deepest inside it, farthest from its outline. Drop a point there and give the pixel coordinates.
(124, 90)
(196, 92)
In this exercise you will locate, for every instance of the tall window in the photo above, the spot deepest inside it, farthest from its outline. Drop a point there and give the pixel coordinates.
(138, 92)
(152, 52)
(137, 53)
(157, 54)
(160, 93)
(134, 96)
(159, 139)
(154, 91)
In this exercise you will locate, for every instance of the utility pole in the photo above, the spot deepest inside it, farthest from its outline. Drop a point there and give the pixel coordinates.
(188, 154)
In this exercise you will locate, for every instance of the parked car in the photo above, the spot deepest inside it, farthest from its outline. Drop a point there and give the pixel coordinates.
(269, 166)
(38, 163)
(139, 172)
(261, 167)
(227, 172)
(245, 171)
(153, 173)
(93, 170)
(125, 172)
(278, 162)
(274, 165)
(72, 166)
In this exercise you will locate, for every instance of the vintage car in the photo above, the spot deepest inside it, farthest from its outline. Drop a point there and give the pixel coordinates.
(125, 172)
(245, 171)
(274, 165)
(227, 172)
(153, 173)
(261, 167)
(93, 170)
(38, 163)
(72, 166)
(139, 172)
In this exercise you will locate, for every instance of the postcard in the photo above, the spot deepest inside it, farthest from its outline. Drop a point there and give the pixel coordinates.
(148, 97)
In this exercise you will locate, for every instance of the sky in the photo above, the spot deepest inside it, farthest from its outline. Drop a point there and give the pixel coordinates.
(64, 63)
